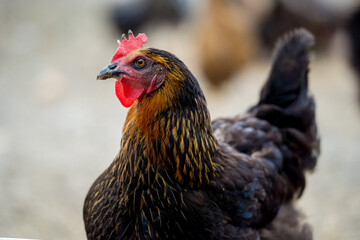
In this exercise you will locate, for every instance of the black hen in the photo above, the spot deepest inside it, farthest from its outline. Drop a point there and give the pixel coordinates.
(136, 14)
(289, 14)
(353, 31)
(179, 176)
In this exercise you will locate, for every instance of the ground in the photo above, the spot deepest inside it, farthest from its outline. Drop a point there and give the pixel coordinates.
(60, 128)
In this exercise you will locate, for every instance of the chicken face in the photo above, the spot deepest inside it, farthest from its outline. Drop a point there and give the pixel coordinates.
(136, 75)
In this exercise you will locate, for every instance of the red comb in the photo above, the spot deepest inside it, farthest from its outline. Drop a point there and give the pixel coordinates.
(127, 46)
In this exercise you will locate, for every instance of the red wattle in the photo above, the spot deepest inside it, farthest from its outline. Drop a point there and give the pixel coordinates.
(119, 91)
(132, 90)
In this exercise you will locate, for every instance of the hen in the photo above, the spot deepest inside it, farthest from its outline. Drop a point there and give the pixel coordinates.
(228, 20)
(136, 14)
(179, 176)
(353, 33)
(314, 15)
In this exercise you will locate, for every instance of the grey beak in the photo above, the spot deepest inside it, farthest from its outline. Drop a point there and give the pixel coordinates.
(109, 72)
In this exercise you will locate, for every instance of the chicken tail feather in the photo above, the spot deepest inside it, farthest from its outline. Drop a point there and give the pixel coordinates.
(288, 78)
(285, 102)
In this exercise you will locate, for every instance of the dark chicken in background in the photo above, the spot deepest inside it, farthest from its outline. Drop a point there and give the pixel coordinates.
(353, 33)
(286, 15)
(179, 176)
(135, 14)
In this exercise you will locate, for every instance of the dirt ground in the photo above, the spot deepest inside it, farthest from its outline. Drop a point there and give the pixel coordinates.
(59, 128)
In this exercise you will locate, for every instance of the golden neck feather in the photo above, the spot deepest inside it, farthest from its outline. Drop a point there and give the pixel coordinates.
(165, 132)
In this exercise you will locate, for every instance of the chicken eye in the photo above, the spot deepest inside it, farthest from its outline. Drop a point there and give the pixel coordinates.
(140, 63)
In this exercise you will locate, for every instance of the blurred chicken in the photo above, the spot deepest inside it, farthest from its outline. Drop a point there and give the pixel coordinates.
(179, 176)
(353, 32)
(290, 14)
(135, 14)
(229, 42)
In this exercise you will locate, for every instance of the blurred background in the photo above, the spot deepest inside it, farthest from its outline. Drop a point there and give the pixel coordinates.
(60, 128)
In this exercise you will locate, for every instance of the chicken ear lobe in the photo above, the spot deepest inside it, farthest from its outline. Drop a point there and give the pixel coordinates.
(156, 82)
